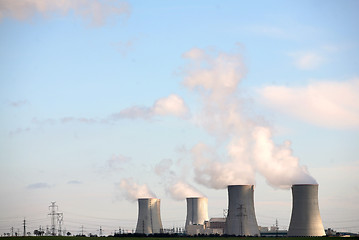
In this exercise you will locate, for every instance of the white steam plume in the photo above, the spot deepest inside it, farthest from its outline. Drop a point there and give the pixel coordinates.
(215, 77)
(181, 190)
(133, 191)
(276, 163)
(177, 188)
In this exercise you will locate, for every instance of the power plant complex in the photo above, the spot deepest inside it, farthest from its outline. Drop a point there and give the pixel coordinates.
(241, 218)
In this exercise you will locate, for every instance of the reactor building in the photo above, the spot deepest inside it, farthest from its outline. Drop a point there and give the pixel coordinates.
(241, 218)
(149, 216)
(305, 219)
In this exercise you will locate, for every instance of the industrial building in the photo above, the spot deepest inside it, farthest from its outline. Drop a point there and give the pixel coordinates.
(213, 226)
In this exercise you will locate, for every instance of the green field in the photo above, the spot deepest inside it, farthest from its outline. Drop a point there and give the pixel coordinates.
(175, 238)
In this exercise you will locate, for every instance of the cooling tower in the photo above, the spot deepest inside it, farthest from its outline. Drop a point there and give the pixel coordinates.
(149, 216)
(197, 211)
(305, 220)
(241, 219)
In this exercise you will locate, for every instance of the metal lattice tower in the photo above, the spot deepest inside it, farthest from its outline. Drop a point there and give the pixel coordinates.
(55, 217)
(242, 215)
(53, 208)
(60, 219)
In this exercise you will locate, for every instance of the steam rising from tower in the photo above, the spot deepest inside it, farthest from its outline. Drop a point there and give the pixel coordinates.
(305, 220)
(197, 211)
(215, 77)
(241, 219)
(149, 216)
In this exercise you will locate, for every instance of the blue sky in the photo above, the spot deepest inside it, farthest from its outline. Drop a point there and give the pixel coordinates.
(101, 97)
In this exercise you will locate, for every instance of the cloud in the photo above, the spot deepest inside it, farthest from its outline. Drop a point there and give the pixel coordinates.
(307, 60)
(38, 185)
(267, 30)
(135, 112)
(67, 120)
(19, 103)
(124, 46)
(116, 162)
(81, 120)
(75, 182)
(331, 104)
(171, 105)
(43, 121)
(96, 12)
(19, 131)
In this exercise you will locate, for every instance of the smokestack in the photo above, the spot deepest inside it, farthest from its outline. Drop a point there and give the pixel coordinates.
(149, 217)
(305, 220)
(197, 211)
(241, 219)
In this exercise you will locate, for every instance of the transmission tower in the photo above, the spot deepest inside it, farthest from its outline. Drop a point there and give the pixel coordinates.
(53, 208)
(60, 219)
(55, 216)
(242, 214)
(100, 231)
(24, 227)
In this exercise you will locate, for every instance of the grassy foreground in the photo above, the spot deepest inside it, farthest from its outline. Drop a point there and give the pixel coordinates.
(173, 238)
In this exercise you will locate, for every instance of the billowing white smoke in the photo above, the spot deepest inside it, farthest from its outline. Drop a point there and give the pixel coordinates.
(176, 187)
(182, 190)
(215, 173)
(276, 163)
(133, 191)
(215, 77)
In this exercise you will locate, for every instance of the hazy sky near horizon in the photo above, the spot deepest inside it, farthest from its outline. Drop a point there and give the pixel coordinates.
(102, 102)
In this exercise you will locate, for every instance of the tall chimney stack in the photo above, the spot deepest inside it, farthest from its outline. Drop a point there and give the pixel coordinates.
(305, 220)
(149, 216)
(197, 211)
(241, 219)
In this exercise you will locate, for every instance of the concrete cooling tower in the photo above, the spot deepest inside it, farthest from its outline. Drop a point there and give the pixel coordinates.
(197, 211)
(305, 220)
(149, 216)
(241, 219)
